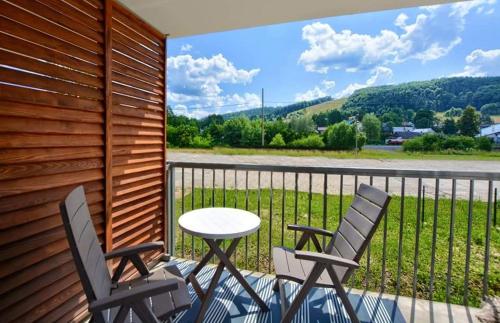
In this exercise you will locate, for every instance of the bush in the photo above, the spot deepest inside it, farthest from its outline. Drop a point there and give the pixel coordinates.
(202, 142)
(434, 142)
(484, 143)
(342, 136)
(312, 141)
(415, 144)
(427, 142)
(459, 143)
(277, 141)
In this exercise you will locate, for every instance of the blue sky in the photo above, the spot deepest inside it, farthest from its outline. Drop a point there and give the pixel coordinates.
(224, 72)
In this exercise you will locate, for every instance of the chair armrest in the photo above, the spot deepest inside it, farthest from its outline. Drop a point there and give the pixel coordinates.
(133, 250)
(325, 258)
(307, 229)
(134, 295)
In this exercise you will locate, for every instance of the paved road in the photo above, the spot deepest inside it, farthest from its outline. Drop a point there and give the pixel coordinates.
(383, 147)
(411, 185)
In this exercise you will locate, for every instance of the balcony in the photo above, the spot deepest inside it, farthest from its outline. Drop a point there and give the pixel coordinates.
(82, 102)
(430, 260)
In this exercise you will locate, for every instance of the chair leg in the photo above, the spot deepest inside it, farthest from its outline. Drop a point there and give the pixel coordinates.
(304, 290)
(343, 296)
(276, 286)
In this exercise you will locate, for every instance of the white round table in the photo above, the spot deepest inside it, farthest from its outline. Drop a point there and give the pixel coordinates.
(219, 223)
(214, 225)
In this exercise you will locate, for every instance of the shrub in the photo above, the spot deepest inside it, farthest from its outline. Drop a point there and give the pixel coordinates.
(202, 142)
(277, 141)
(484, 143)
(312, 141)
(415, 144)
(458, 143)
(432, 141)
(342, 136)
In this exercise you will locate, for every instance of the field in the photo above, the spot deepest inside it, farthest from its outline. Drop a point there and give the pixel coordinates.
(496, 119)
(273, 224)
(363, 154)
(318, 108)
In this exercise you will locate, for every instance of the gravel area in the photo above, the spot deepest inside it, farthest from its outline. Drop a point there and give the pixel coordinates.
(333, 181)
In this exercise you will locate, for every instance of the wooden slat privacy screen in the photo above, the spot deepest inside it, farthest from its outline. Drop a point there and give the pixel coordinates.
(82, 97)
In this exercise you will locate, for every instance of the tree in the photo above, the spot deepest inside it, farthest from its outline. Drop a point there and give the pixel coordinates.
(251, 135)
(450, 127)
(490, 109)
(278, 141)
(181, 136)
(303, 126)
(424, 118)
(372, 127)
(233, 131)
(342, 136)
(469, 122)
(324, 119)
(453, 112)
(392, 118)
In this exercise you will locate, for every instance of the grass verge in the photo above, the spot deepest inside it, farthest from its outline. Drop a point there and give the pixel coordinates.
(363, 154)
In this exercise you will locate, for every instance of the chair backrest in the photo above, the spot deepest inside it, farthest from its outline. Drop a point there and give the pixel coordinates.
(84, 245)
(358, 226)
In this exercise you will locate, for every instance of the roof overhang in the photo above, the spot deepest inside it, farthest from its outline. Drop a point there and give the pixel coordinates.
(179, 18)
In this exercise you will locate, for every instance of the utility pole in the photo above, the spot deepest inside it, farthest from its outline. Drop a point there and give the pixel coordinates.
(262, 116)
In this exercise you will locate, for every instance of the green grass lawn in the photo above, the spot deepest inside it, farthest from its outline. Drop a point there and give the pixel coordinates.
(363, 154)
(261, 261)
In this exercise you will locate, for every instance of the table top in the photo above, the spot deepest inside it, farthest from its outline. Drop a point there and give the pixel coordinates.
(219, 223)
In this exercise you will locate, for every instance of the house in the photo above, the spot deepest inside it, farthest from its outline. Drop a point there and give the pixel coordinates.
(321, 130)
(422, 131)
(492, 132)
(402, 129)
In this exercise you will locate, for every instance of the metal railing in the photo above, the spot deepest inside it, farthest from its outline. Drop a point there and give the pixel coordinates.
(443, 257)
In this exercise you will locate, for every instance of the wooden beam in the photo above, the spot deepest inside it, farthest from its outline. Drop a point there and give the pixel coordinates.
(108, 103)
(165, 215)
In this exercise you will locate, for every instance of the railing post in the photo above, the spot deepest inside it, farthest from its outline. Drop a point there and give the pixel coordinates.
(170, 221)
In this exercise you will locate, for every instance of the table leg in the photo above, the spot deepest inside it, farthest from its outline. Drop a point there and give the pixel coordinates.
(205, 301)
(202, 262)
(224, 258)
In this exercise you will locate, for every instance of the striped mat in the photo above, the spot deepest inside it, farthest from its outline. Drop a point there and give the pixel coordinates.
(231, 303)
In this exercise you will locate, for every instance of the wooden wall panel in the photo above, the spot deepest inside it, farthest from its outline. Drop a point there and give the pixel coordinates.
(138, 131)
(82, 97)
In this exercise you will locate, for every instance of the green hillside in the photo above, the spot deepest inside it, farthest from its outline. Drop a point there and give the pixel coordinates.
(319, 108)
(438, 95)
(276, 112)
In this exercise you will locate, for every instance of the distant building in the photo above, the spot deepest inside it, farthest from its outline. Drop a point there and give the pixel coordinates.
(492, 132)
(402, 129)
(410, 131)
(321, 130)
(423, 131)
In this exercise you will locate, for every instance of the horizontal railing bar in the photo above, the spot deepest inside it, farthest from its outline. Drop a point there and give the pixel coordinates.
(408, 173)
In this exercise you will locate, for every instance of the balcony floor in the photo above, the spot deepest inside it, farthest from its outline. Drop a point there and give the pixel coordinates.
(232, 304)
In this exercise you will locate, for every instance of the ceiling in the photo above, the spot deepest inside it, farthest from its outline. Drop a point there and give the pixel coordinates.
(180, 18)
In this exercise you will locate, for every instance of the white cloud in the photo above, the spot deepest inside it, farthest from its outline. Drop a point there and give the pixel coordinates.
(431, 35)
(328, 85)
(462, 9)
(380, 75)
(317, 92)
(186, 48)
(196, 82)
(309, 95)
(481, 63)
